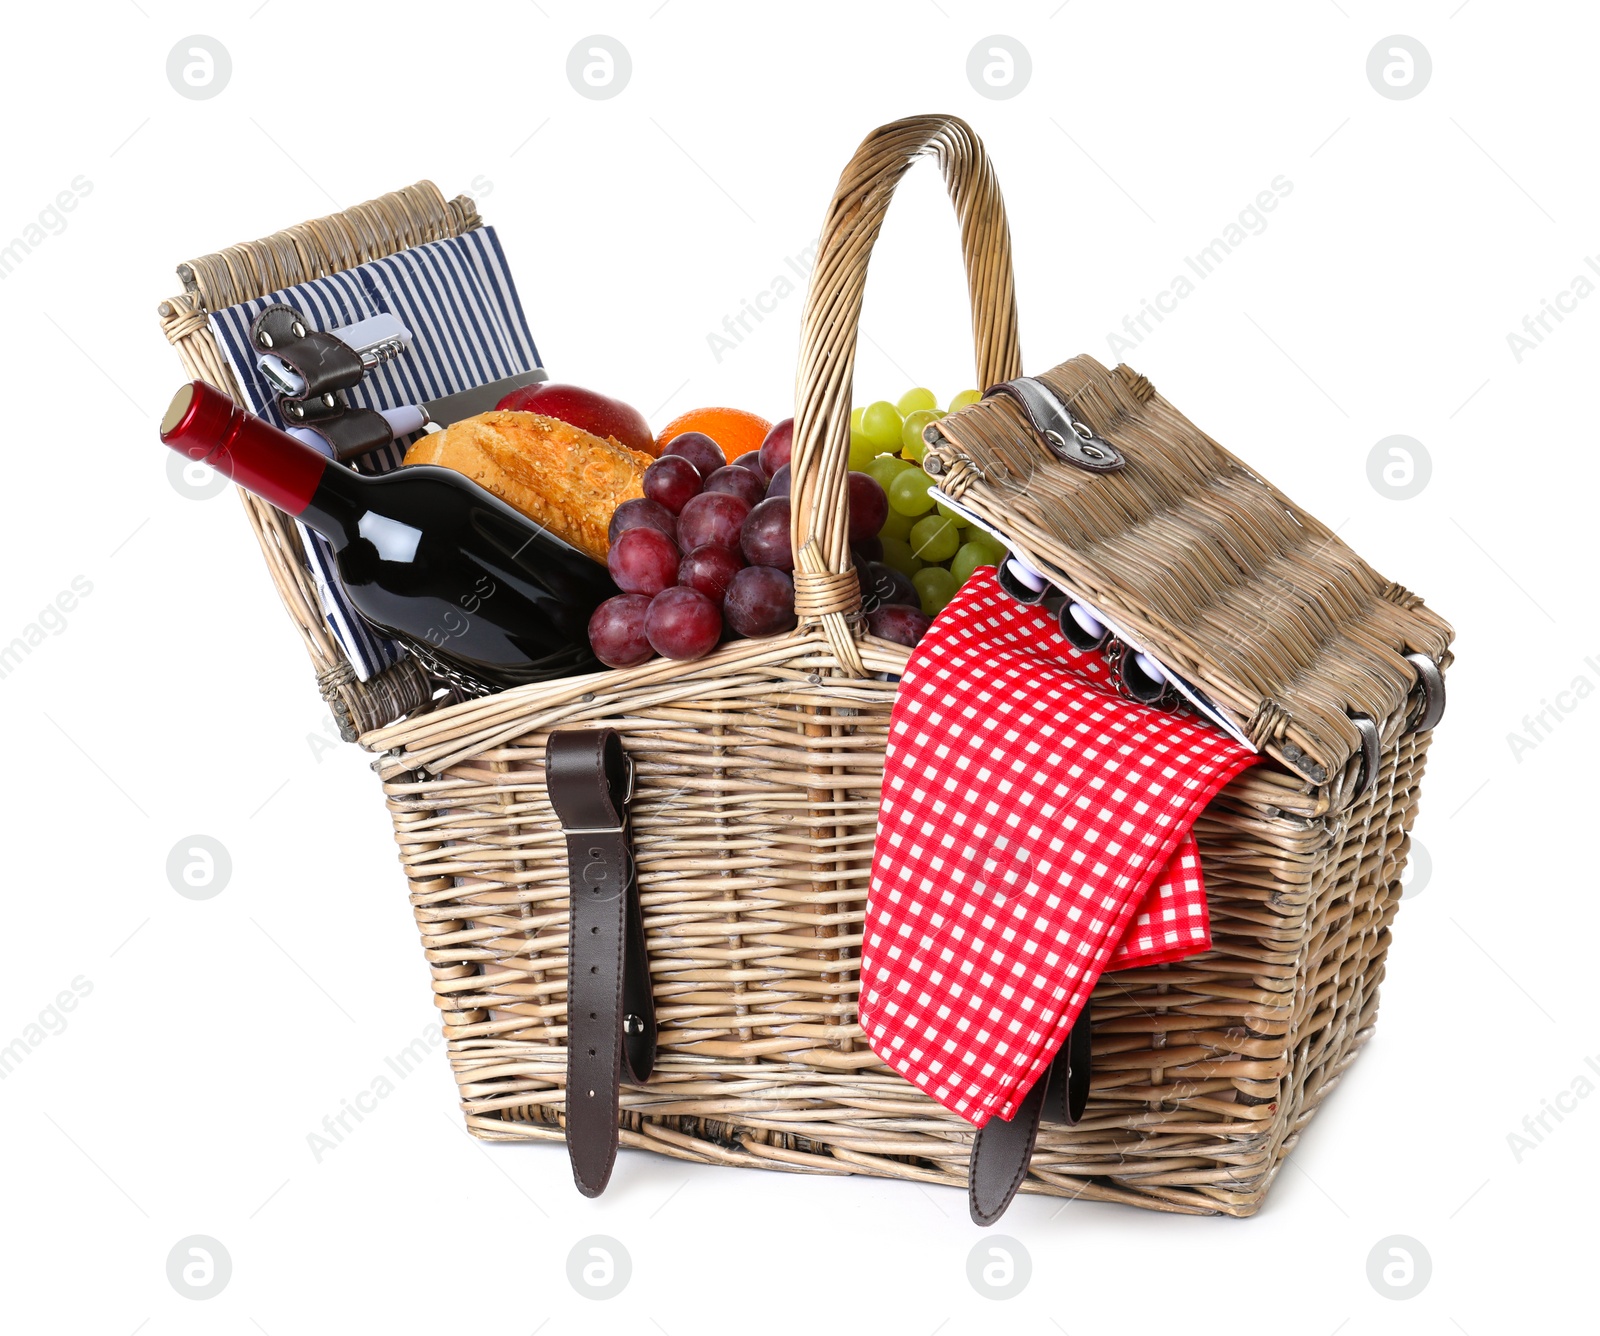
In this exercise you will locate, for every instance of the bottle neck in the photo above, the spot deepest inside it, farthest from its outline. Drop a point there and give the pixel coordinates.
(337, 504)
(203, 424)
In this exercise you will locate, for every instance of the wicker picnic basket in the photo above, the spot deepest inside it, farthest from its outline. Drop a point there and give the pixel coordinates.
(759, 768)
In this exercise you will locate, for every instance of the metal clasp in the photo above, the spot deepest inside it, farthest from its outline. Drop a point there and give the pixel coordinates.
(1055, 423)
(1085, 442)
(1371, 747)
(1431, 680)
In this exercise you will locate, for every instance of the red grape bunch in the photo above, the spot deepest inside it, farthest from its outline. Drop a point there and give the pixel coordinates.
(705, 557)
(701, 558)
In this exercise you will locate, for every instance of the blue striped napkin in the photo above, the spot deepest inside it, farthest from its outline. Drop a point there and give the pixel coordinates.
(468, 328)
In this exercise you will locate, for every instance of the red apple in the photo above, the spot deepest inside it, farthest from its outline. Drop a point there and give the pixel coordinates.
(590, 412)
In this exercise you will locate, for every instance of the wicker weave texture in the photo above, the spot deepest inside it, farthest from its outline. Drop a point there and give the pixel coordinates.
(1233, 586)
(759, 772)
(409, 217)
(824, 581)
(754, 824)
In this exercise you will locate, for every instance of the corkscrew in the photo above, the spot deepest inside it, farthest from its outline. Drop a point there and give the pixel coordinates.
(309, 362)
(310, 369)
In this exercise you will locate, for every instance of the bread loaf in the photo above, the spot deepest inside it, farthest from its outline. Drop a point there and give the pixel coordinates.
(554, 473)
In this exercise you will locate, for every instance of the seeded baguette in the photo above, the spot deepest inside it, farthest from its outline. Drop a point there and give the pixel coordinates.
(556, 474)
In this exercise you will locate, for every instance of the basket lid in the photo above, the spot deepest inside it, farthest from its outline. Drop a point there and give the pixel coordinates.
(1199, 561)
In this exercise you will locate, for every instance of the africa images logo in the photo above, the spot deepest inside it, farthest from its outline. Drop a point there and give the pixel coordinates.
(1250, 221)
(50, 1021)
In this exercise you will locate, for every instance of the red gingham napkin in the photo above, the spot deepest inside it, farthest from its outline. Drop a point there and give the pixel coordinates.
(1034, 833)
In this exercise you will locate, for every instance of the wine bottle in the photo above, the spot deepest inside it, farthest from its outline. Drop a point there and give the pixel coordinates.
(466, 582)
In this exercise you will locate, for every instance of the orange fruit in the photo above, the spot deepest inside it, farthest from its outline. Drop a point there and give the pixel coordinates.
(736, 431)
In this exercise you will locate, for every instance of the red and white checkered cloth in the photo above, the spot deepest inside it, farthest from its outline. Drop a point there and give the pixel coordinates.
(1034, 833)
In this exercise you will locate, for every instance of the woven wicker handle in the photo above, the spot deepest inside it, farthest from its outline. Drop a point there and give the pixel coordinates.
(825, 584)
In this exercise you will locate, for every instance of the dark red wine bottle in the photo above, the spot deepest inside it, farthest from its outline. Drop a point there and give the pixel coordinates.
(425, 554)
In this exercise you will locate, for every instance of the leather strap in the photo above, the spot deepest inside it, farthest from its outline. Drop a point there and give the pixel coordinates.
(313, 411)
(324, 361)
(1000, 1155)
(1002, 1150)
(611, 1022)
(355, 432)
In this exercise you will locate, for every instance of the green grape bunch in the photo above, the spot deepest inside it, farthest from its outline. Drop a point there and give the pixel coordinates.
(924, 539)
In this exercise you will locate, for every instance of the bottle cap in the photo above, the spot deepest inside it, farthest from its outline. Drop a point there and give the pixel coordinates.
(196, 421)
(203, 424)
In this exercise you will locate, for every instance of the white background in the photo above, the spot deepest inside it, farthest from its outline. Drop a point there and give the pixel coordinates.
(176, 700)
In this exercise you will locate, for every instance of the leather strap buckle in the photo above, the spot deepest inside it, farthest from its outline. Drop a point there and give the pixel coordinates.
(627, 797)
